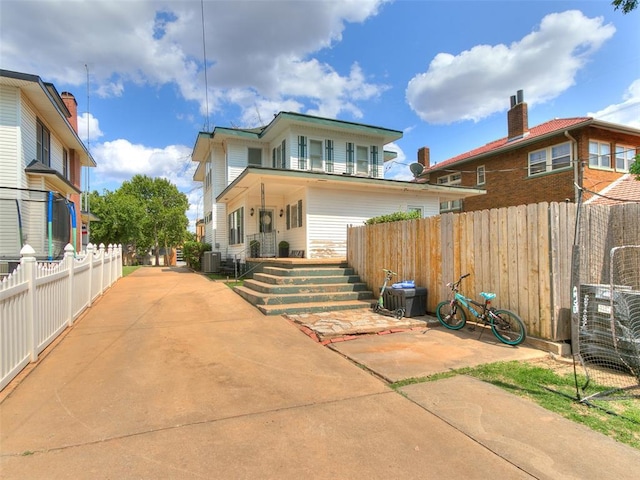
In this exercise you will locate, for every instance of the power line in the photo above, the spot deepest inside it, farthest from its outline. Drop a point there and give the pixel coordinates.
(204, 55)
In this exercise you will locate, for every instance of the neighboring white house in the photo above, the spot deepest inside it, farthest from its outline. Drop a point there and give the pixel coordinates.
(302, 179)
(41, 157)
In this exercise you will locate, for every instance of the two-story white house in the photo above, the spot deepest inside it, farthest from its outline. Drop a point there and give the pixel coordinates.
(41, 157)
(302, 179)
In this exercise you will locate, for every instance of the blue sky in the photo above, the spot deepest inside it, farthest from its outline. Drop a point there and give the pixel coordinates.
(440, 71)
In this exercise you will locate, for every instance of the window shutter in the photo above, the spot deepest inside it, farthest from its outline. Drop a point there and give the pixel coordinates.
(329, 155)
(374, 161)
(273, 158)
(302, 152)
(288, 217)
(284, 154)
(299, 213)
(349, 157)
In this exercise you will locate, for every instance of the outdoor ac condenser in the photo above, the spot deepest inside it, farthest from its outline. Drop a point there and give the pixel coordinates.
(211, 262)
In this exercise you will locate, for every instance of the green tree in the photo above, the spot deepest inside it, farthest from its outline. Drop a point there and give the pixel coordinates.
(120, 220)
(165, 221)
(625, 5)
(635, 167)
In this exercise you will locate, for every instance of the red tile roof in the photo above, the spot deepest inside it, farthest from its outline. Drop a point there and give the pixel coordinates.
(625, 189)
(552, 126)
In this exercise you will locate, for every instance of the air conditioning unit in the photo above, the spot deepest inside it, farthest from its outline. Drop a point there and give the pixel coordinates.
(211, 262)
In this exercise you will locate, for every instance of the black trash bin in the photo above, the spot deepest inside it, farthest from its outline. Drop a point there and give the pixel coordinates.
(413, 300)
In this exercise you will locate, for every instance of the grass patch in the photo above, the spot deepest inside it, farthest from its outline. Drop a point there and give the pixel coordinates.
(126, 270)
(556, 392)
(229, 281)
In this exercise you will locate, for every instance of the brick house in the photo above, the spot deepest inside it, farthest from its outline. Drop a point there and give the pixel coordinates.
(541, 163)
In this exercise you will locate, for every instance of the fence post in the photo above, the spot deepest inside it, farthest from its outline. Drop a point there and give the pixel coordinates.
(112, 263)
(102, 254)
(28, 263)
(90, 248)
(69, 253)
(120, 260)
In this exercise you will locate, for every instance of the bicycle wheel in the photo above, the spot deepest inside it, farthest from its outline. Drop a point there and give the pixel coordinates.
(507, 327)
(451, 316)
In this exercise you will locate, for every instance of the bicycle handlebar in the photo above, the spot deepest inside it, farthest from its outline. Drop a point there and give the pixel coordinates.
(454, 285)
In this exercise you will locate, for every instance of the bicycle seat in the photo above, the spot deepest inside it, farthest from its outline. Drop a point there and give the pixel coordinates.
(487, 295)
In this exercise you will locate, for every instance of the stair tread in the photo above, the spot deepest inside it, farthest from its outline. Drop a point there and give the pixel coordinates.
(314, 306)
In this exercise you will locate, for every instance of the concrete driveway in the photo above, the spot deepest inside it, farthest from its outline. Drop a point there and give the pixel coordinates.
(170, 375)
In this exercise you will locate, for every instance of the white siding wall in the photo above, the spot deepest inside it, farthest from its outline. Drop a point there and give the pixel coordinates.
(219, 215)
(296, 236)
(236, 160)
(9, 171)
(329, 212)
(29, 136)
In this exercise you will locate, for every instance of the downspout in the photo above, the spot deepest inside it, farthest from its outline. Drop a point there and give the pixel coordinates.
(50, 224)
(72, 212)
(20, 233)
(576, 165)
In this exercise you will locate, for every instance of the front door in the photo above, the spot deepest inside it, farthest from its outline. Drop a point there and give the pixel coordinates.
(266, 219)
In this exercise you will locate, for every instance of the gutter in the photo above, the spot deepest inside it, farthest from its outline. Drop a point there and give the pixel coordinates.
(576, 165)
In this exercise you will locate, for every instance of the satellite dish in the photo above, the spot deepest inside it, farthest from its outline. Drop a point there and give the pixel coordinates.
(416, 168)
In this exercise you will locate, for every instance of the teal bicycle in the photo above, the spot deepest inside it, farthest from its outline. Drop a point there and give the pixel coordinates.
(505, 325)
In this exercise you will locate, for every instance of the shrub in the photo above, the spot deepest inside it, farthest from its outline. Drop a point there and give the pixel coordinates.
(394, 217)
(193, 251)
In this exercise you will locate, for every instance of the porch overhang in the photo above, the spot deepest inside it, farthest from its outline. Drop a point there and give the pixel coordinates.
(285, 180)
(53, 177)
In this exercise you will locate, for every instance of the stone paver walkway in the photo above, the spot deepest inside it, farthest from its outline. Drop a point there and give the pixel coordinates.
(329, 327)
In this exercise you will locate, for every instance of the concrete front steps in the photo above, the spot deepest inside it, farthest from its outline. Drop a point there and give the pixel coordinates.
(295, 289)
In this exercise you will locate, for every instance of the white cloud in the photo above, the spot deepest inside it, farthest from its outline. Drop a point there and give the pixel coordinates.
(627, 112)
(397, 169)
(472, 85)
(88, 128)
(261, 47)
(120, 160)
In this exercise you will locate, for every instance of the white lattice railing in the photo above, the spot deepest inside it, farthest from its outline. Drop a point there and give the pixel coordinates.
(39, 301)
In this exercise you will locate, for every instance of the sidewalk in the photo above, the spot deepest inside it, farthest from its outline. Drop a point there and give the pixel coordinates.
(170, 375)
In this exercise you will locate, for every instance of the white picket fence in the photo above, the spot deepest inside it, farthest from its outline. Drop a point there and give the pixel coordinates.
(38, 301)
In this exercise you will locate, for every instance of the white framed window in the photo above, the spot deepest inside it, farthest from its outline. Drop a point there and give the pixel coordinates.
(481, 175)
(413, 208)
(625, 156)
(236, 226)
(279, 156)
(254, 156)
(43, 152)
(452, 179)
(315, 154)
(294, 215)
(450, 206)
(65, 163)
(549, 159)
(362, 160)
(599, 154)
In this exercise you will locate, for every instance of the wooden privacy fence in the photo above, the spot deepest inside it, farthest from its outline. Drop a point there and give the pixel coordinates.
(523, 254)
(39, 301)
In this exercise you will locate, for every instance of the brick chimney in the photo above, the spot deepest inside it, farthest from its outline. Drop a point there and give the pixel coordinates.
(71, 104)
(424, 156)
(518, 116)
